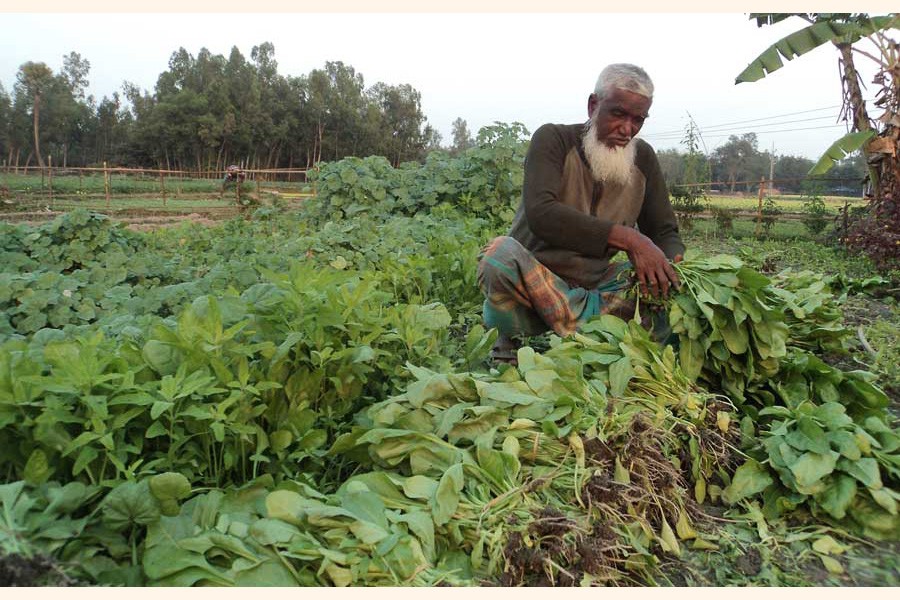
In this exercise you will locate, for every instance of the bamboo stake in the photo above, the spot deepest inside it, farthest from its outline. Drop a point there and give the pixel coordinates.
(162, 183)
(106, 183)
(762, 189)
(50, 178)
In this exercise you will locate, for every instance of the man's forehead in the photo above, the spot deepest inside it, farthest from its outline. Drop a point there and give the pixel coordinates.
(628, 100)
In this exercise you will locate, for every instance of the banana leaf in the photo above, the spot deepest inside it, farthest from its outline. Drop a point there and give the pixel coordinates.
(809, 38)
(840, 149)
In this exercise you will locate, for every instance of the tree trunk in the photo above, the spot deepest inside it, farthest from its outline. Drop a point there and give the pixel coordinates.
(37, 118)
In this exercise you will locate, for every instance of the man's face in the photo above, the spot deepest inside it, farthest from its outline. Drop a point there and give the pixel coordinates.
(619, 117)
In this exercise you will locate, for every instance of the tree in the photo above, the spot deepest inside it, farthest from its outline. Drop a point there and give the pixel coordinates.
(879, 233)
(401, 110)
(75, 71)
(462, 137)
(5, 123)
(791, 171)
(35, 79)
(739, 160)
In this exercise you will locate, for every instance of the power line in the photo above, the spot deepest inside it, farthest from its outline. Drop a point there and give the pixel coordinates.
(731, 129)
(761, 118)
(721, 135)
(708, 127)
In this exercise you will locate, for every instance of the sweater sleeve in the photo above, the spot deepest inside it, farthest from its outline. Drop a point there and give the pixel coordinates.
(549, 219)
(657, 218)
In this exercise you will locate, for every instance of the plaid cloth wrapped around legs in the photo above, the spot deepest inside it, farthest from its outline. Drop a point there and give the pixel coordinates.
(524, 298)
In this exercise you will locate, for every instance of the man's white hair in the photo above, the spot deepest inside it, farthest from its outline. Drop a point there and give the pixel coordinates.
(623, 76)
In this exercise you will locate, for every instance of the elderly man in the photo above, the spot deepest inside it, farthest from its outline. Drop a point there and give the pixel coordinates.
(586, 188)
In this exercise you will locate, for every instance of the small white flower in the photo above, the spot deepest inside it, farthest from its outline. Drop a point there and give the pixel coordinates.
(67, 293)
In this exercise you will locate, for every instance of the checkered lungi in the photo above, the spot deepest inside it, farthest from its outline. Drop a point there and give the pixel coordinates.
(523, 297)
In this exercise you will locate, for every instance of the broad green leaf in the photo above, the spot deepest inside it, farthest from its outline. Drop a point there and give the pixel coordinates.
(130, 504)
(269, 532)
(269, 573)
(447, 494)
(845, 443)
(407, 558)
(808, 436)
(37, 468)
(381, 483)
(833, 415)
(749, 479)
(421, 525)
(170, 486)
(811, 467)
(68, 498)
(837, 497)
(163, 562)
(419, 487)
(864, 470)
(620, 373)
(366, 506)
(285, 505)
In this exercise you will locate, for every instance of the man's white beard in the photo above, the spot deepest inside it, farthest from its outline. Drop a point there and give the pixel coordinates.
(609, 165)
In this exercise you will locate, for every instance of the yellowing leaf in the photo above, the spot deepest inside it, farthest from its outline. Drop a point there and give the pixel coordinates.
(831, 564)
(578, 447)
(668, 541)
(700, 490)
(340, 576)
(828, 545)
(884, 498)
(621, 474)
(701, 544)
(723, 419)
(683, 527)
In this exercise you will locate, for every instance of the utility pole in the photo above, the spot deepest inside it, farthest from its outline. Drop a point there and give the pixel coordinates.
(772, 166)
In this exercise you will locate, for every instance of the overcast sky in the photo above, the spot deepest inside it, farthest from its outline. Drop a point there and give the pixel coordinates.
(531, 68)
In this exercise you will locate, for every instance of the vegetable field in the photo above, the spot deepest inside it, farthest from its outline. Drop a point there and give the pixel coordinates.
(304, 398)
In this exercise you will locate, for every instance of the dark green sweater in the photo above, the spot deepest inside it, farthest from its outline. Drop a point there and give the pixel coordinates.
(565, 216)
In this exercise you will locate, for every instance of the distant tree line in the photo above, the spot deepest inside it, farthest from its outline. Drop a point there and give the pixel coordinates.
(209, 111)
(738, 165)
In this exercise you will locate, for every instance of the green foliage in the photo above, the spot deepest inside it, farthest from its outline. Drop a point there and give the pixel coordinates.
(724, 219)
(770, 212)
(300, 401)
(483, 181)
(816, 214)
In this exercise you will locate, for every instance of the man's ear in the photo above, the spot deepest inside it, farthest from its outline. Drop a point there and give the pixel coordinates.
(592, 105)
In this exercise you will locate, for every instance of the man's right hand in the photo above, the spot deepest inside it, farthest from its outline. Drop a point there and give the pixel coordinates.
(653, 270)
